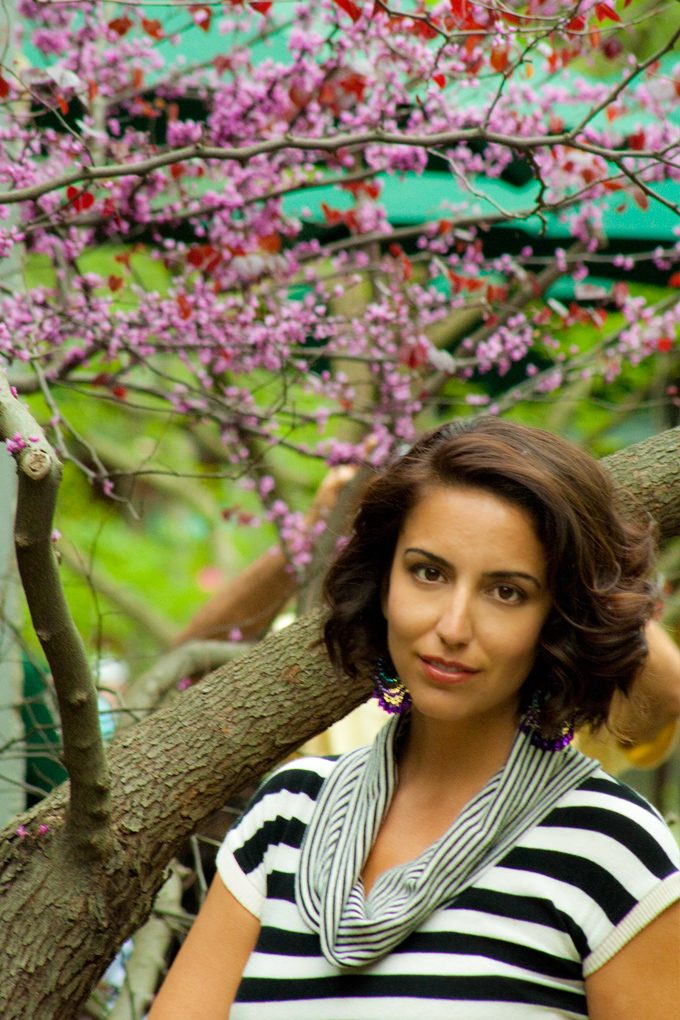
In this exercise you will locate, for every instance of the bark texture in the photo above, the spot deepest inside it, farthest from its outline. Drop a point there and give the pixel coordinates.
(62, 918)
(648, 477)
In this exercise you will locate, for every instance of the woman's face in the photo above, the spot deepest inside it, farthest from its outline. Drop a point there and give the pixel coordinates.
(466, 600)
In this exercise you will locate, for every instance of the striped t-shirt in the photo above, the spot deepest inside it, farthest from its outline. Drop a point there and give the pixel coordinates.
(514, 945)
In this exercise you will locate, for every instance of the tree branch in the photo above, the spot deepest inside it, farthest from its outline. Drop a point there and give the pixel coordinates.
(194, 658)
(88, 818)
(244, 153)
(647, 474)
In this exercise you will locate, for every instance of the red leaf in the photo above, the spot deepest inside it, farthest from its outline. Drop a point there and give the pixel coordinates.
(576, 24)
(204, 256)
(221, 63)
(604, 11)
(612, 48)
(153, 27)
(262, 8)
(202, 17)
(80, 200)
(184, 307)
(640, 199)
(331, 216)
(349, 7)
(459, 8)
(177, 170)
(496, 292)
(369, 188)
(271, 243)
(119, 391)
(636, 140)
(353, 84)
(674, 280)
(121, 25)
(421, 29)
(664, 344)
(196, 256)
(4, 88)
(499, 58)
(413, 355)
(115, 282)
(328, 96)
(439, 79)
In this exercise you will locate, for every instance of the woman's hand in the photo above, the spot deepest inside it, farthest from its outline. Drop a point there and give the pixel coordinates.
(653, 701)
(206, 973)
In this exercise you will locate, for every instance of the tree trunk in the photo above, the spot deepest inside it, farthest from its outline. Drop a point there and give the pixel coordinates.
(62, 920)
(62, 917)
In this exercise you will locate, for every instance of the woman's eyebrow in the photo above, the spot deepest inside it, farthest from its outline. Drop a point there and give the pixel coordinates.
(439, 560)
(499, 575)
(493, 575)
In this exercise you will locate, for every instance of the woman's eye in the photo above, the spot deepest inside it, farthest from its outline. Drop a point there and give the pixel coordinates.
(426, 572)
(507, 593)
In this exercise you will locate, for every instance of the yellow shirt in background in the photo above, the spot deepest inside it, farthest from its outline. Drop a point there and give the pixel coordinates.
(616, 757)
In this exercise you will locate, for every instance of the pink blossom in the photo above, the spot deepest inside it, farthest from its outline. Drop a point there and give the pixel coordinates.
(16, 444)
(287, 297)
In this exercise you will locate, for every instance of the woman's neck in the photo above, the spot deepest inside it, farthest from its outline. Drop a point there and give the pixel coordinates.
(439, 755)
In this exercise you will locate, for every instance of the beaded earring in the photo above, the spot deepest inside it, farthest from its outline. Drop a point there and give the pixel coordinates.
(532, 724)
(389, 691)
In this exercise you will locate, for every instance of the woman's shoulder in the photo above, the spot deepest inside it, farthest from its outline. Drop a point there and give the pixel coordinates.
(298, 775)
(277, 814)
(603, 807)
(290, 790)
(601, 789)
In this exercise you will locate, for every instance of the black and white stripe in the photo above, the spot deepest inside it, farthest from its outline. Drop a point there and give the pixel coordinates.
(515, 944)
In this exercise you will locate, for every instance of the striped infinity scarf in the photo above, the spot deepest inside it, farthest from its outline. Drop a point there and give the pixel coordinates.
(355, 931)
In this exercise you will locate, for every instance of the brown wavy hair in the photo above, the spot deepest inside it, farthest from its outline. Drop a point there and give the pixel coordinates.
(599, 560)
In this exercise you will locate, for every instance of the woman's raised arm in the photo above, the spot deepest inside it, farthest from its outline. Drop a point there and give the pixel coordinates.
(653, 702)
(204, 977)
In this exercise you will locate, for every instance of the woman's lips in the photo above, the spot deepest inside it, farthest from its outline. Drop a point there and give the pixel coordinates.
(445, 672)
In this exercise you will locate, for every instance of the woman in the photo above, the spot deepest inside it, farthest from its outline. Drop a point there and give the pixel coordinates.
(470, 864)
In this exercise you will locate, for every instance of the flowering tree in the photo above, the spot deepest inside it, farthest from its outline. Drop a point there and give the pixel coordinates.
(306, 242)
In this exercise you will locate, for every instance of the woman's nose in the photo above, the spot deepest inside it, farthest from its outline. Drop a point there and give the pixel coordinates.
(454, 626)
